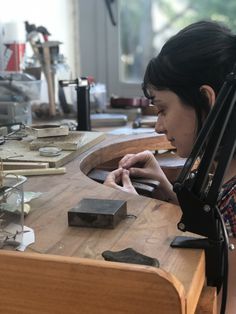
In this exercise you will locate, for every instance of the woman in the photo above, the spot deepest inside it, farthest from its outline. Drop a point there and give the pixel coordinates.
(183, 82)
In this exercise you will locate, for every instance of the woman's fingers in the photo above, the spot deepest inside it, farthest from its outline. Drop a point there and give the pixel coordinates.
(135, 159)
(126, 179)
(127, 184)
(125, 159)
(113, 177)
(139, 172)
(130, 161)
(120, 176)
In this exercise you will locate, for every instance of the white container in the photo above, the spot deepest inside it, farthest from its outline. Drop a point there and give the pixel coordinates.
(14, 40)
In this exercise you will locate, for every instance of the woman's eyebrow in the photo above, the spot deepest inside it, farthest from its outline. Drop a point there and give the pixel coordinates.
(158, 102)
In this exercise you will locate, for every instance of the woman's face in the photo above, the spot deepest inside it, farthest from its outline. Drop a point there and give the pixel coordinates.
(176, 120)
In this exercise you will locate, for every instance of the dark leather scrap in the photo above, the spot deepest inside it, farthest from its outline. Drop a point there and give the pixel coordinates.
(130, 256)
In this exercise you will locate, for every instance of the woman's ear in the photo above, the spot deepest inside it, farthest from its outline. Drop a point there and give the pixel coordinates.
(209, 92)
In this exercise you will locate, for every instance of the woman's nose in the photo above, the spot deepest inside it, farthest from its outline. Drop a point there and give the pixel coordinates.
(159, 126)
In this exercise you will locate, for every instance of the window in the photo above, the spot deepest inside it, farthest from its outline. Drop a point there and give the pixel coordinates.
(119, 54)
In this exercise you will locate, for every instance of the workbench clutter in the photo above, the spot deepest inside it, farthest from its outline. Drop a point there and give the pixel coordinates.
(44, 149)
(26, 48)
(42, 69)
(138, 110)
(17, 93)
(12, 229)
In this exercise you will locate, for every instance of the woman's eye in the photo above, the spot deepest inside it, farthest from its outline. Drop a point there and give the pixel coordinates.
(160, 112)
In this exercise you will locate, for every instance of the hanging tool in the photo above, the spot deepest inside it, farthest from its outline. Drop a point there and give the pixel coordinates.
(108, 5)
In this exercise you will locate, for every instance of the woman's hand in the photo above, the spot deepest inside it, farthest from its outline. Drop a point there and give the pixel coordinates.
(120, 176)
(145, 165)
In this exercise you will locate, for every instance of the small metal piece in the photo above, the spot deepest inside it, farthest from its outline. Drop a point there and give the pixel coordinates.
(231, 247)
(50, 151)
(131, 216)
(136, 123)
(2, 140)
(192, 175)
(14, 156)
(181, 226)
(177, 187)
(206, 208)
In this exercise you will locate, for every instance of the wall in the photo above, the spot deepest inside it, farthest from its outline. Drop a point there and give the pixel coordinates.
(58, 16)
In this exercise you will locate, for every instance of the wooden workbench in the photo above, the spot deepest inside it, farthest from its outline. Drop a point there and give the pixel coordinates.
(149, 228)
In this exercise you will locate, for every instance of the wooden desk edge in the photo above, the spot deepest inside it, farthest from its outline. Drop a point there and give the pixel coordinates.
(194, 293)
(118, 147)
(82, 277)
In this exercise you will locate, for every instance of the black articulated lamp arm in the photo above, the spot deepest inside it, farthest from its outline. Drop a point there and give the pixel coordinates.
(198, 191)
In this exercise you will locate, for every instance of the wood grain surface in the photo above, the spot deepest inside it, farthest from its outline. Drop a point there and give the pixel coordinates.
(51, 284)
(149, 227)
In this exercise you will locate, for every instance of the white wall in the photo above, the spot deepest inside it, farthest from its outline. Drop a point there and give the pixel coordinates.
(56, 15)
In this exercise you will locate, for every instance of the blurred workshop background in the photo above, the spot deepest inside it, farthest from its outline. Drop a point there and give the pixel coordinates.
(106, 42)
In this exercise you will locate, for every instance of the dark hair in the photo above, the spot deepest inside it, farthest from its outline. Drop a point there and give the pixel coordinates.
(201, 53)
